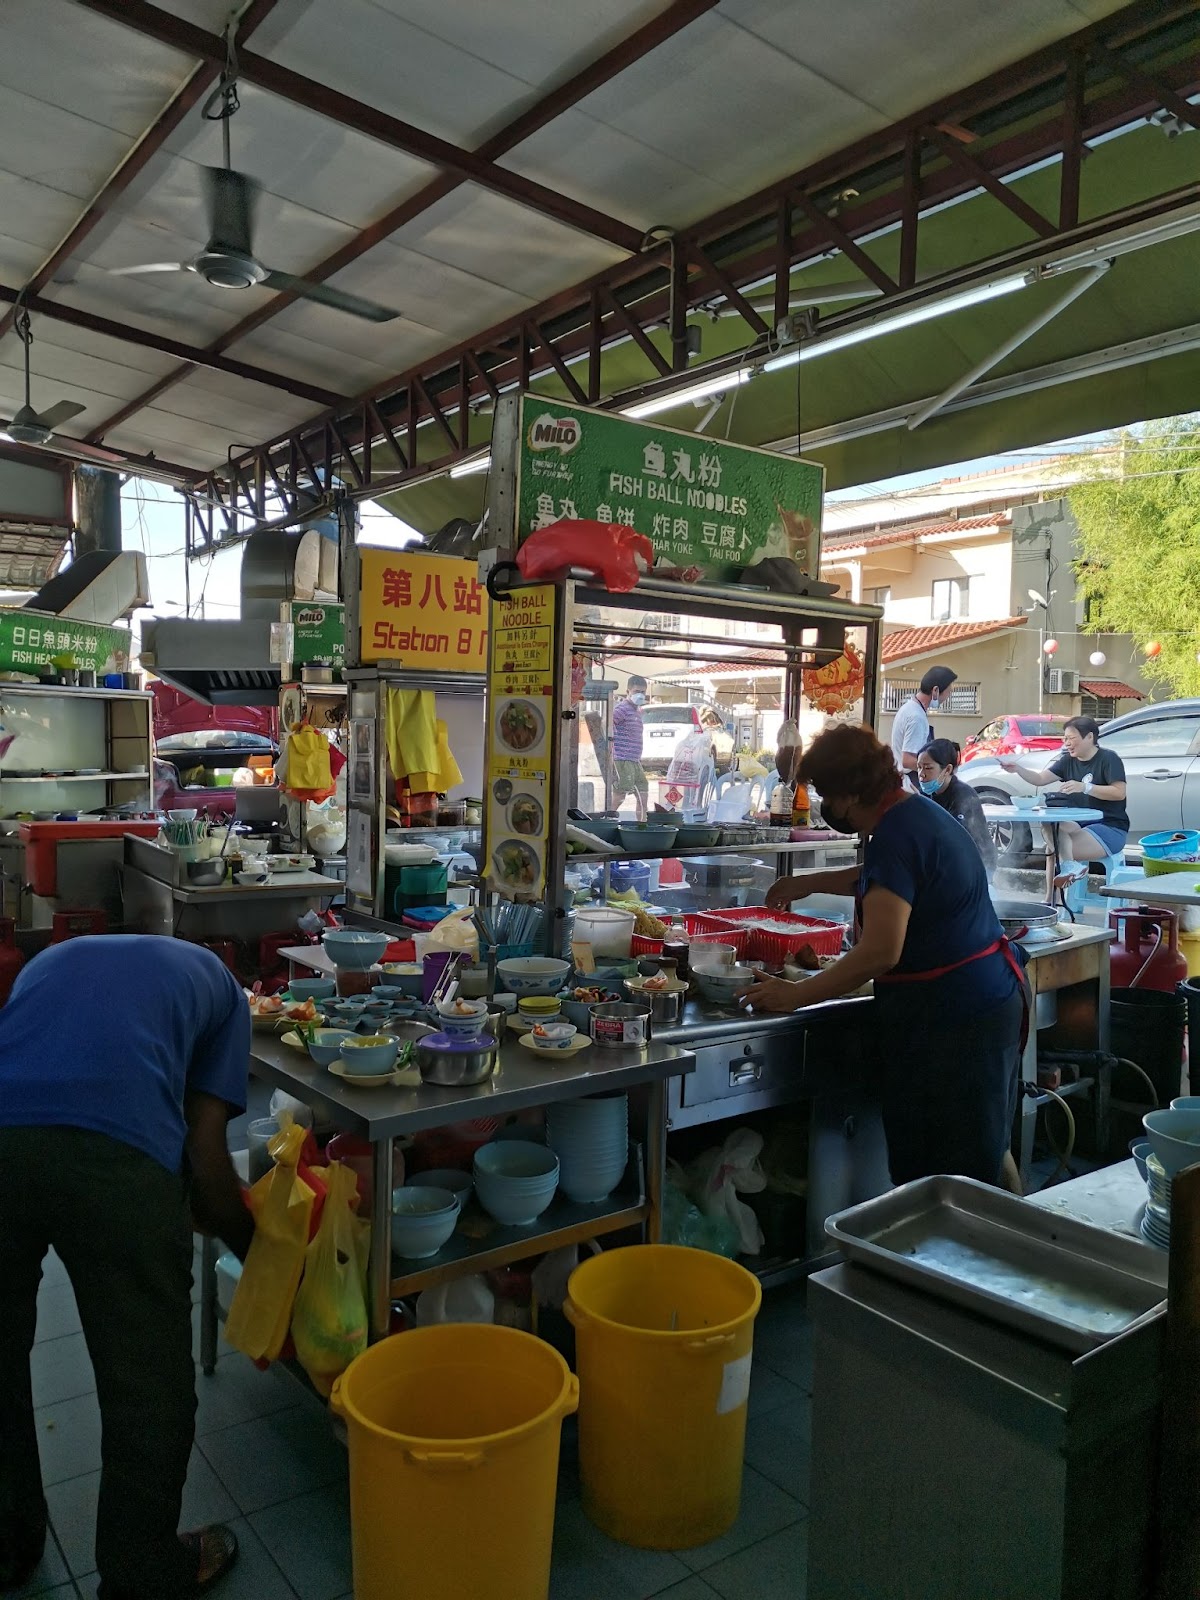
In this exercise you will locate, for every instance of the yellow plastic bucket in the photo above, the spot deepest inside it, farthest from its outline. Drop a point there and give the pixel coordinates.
(664, 1344)
(454, 1435)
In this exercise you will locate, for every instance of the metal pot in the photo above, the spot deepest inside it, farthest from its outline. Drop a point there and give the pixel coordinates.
(469, 1062)
(621, 1023)
(719, 872)
(666, 1006)
(1022, 916)
(207, 874)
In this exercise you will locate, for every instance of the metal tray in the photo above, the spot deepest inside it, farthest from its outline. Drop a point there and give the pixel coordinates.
(1048, 1275)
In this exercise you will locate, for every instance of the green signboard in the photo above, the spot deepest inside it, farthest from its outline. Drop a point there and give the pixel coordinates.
(703, 503)
(318, 632)
(30, 640)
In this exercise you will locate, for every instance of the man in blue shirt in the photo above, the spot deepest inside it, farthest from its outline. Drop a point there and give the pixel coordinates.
(122, 1058)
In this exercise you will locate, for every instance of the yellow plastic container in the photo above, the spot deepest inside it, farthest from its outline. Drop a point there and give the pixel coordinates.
(1189, 945)
(454, 1435)
(664, 1345)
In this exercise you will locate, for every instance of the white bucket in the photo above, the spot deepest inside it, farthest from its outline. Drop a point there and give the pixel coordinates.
(608, 930)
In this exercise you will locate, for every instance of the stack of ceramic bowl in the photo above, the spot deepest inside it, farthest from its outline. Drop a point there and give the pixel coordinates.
(1156, 1222)
(591, 1140)
(515, 1180)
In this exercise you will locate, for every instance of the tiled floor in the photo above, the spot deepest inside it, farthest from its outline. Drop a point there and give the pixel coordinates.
(266, 1461)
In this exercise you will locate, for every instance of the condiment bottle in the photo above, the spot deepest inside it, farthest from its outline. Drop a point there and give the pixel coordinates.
(781, 803)
(677, 947)
(801, 810)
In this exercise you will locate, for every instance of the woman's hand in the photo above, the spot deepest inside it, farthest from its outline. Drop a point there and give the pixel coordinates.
(770, 994)
(784, 890)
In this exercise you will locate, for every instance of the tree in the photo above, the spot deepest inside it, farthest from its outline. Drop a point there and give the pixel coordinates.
(1139, 546)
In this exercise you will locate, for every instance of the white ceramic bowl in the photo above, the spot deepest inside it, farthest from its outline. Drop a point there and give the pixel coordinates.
(529, 975)
(712, 957)
(458, 1024)
(1175, 1138)
(553, 1035)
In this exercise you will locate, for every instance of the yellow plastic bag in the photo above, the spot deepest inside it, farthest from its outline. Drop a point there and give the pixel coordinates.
(308, 765)
(282, 1203)
(329, 1320)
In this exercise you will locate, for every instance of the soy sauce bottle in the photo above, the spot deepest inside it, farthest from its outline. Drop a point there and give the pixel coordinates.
(677, 947)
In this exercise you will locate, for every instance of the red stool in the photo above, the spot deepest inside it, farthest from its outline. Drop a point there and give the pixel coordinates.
(77, 924)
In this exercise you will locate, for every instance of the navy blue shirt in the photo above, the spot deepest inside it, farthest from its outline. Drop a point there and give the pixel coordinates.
(924, 855)
(110, 1033)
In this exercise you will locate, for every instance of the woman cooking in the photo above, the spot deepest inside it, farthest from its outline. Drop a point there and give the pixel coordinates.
(937, 778)
(951, 1000)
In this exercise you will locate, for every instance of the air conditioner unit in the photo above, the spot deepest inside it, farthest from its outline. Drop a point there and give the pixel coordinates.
(1060, 680)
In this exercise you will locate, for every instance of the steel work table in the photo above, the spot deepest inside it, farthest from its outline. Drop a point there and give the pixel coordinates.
(522, 1080)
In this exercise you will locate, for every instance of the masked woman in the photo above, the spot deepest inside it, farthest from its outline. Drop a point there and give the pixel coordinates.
(951, 1000)
(938, 779)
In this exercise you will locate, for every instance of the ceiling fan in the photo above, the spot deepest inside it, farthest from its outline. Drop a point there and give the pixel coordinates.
(228, 260)
(36, 428)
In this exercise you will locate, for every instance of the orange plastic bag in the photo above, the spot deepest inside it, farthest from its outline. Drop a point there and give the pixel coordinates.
(282, 1204)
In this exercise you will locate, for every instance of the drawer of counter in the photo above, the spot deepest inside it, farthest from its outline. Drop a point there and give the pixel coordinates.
(765, 1062)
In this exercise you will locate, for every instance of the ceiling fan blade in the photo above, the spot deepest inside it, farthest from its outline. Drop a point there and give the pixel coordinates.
(325, 295)
(62, 412)
(231, 198)
(150, 266)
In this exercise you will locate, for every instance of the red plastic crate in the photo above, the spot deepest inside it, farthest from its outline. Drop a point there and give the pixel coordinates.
(701, 929)
(774, 948)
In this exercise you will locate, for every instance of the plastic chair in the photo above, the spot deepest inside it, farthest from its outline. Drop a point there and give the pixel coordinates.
(757, 787)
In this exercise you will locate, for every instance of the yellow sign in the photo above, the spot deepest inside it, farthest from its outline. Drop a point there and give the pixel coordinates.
(422, 611)
(520, 741)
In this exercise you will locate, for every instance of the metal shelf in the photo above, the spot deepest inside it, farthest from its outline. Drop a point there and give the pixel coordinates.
(772, 847)
(75, 777)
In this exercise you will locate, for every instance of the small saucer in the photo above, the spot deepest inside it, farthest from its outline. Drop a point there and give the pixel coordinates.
(368, 1080)
(577, 1044)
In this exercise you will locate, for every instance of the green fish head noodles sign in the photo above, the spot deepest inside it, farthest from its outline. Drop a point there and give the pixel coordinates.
(706, 505)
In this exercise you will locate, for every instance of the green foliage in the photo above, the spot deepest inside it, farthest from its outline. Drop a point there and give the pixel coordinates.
(1139, 546)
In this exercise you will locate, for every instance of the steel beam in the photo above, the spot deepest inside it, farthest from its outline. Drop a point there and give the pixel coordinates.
(125, 333)
(187, 97)
(601, 71)
(350, 113)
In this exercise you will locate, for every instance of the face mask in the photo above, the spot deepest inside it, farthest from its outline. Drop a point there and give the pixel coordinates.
(929, 785)
(935, 704)
(638, 699)
(837, 820)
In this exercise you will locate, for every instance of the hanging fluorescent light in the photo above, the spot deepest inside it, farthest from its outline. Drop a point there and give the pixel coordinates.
(904, 319)
(680, 397)
(465, 469)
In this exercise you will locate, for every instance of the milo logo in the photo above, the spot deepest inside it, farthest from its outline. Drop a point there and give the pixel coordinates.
(310, 617)
(554, 433)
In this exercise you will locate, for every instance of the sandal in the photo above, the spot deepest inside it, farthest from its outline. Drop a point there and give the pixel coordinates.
(216, 1551)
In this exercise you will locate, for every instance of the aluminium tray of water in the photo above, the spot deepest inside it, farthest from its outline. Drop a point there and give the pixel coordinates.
(1061, 1280)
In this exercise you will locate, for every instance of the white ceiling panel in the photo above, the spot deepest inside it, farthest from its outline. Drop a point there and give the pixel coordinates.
(861, 57)
(233, 405)
(62, 373)
(538, 42)
(611, 169)
(333, 366)
(34, 215)
(56, 148)
(98, 70)
(178, 439)
(725, 103)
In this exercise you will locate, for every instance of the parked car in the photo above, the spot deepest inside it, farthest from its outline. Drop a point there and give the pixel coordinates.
(666, 725)
(1160, 747)
(191, 765)
(1011, 735)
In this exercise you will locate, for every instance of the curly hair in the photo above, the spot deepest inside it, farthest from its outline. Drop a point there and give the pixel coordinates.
(851, 761)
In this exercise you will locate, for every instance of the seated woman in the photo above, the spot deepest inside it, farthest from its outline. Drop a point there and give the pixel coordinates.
(951, 1000)
(937, 778)
(1097, 778)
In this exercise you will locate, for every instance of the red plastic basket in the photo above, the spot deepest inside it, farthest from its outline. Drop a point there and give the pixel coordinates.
(701, 929)
(774, 947)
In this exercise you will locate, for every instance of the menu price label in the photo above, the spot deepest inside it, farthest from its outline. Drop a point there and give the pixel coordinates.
(520, 743)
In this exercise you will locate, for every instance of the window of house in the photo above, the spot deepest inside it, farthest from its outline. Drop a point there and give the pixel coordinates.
(897, 690)
(951, 599)
(880, 596)
(960, 700)
(1102, 707)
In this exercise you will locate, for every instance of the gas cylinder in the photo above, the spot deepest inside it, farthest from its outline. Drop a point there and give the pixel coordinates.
(11, 959)
(1147, 938)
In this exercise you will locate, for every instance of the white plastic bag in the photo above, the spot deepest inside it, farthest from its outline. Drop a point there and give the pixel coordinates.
(716, 1177)
(552, 1273)
(464, 1300)
(455, 932)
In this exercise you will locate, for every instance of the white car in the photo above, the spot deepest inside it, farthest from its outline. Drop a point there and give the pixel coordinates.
(666, 726)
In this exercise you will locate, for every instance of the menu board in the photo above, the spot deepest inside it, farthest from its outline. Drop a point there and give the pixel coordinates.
(421, 610)
(520, 741)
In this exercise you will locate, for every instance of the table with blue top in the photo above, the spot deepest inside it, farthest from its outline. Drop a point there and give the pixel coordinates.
(1048, 816)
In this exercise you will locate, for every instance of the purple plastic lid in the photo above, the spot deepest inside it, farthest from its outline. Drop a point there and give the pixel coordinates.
(444, 1041)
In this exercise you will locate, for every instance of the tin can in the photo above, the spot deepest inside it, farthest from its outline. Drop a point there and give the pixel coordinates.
(621, 1022)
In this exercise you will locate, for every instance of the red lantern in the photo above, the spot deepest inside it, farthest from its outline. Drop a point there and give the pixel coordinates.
(1050, 647)
(1153, 649)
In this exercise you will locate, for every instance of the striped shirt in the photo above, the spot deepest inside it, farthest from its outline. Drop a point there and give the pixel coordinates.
(627, 731)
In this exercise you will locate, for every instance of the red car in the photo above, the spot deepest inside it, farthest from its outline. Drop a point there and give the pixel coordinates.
(1014, 736)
